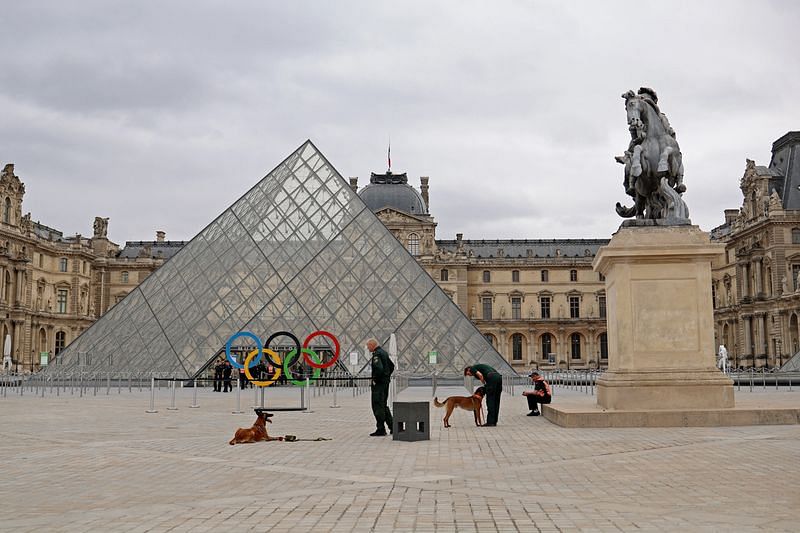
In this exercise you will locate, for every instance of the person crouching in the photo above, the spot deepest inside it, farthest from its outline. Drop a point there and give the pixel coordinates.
(541, 393)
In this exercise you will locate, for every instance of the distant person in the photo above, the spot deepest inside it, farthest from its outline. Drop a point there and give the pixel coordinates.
(493, 382)
(541, 393)
(722, 358)
(382, 368)
(227, 371)
(218, 367)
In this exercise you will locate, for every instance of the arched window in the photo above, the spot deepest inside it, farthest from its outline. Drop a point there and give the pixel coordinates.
(573, 275)
(490, 339)
(604, 346)
(413, 244)
(124, 277)
(795, 235)
(62, 264)
(545, 276)
(7, 211)
(487, 276)
(515, 276)
(575, 341)
(516, 347)
(444, 275)
(61, 341)
(547, 346)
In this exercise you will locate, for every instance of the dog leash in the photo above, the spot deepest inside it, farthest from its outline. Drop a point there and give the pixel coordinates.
(293, 438)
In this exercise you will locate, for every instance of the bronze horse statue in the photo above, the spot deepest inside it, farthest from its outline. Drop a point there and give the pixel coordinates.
(653, 163)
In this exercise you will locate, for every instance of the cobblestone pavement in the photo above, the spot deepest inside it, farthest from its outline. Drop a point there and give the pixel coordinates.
(101, 463)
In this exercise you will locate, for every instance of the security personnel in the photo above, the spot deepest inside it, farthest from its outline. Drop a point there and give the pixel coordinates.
(493, 382)
(382, 368)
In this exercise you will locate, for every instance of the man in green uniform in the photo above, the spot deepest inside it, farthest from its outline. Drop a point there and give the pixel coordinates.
(493, 382)
(382, 368)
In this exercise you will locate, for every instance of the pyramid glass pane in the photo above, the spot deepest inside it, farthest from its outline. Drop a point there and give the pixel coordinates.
(298, 252)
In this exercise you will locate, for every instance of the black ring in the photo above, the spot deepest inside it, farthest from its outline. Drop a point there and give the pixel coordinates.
(296, 343)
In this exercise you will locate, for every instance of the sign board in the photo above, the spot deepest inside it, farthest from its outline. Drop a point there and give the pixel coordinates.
(43, 358)
(432, 355)
(354, 358)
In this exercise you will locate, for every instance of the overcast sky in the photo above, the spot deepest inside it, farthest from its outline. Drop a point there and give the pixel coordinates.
(159, 115)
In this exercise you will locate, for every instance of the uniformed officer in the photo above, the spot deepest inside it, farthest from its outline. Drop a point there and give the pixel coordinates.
(382, 368)
(493, 382)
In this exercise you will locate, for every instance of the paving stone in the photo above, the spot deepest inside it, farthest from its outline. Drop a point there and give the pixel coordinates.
(100, 463)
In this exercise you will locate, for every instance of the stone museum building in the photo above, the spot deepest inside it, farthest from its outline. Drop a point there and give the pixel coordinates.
(756, 286)
(537, 301)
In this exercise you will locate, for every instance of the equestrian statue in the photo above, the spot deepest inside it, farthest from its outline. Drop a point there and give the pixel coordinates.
(653, 163)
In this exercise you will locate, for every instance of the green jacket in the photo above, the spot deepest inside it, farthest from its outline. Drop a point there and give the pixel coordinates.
(382, 366)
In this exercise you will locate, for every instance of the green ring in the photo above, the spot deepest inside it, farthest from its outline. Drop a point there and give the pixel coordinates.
(288, 373)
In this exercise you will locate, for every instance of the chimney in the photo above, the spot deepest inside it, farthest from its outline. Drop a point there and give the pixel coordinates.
(354, 183)
(423, 180)
(160, 236)
(730, 216)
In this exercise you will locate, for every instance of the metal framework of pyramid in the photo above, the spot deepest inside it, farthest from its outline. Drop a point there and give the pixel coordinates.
(299, 252)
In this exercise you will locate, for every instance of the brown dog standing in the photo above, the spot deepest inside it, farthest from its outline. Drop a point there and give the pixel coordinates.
(256, 433)
(468, 403)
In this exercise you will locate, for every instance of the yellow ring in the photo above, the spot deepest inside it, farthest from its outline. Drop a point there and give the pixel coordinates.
(247, 373)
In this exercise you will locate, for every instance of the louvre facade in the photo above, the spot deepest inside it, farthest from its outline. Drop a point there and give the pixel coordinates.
(537, 301)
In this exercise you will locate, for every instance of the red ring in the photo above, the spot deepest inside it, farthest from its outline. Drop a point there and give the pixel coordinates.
(337, 349)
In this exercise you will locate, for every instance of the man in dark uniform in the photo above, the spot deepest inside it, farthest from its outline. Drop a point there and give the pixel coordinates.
(541, 393)
(493, 382)
(218, 375)
(227, 370)
(382, 368)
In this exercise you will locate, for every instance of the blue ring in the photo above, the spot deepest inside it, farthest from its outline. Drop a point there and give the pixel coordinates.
(233, 360)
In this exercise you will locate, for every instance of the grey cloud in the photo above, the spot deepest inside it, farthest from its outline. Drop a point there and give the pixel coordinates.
(511, 108)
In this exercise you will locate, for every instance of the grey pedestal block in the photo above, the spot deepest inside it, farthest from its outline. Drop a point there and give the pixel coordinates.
(411, 421)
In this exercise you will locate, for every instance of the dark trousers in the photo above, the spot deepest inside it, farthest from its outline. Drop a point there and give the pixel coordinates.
(380, 397)
(217, 383)
(227, 383)
(494, 387)
(533, 401)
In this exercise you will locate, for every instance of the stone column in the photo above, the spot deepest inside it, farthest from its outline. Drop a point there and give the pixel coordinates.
(747, 349)
(759, 279)
(532, 346)
(17, 345)
(760, 336)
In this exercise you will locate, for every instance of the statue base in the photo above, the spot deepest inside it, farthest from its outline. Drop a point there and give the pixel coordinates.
(660, 321)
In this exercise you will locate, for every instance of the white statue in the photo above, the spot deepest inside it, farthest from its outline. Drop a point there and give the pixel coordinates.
(722, 358)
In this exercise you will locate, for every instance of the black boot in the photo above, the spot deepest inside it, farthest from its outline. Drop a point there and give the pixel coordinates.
(378, 433)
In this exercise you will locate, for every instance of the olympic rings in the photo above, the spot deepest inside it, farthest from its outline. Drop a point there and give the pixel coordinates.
(336, 350)
(283, 367)
(283, 334)
(249, 335)
(254, 381)
(314, 375)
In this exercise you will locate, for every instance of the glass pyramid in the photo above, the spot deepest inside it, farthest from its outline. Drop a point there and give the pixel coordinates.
(299, 252)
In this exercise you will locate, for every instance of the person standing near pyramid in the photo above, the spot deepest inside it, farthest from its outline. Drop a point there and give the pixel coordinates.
(382, 368)
(493, 382)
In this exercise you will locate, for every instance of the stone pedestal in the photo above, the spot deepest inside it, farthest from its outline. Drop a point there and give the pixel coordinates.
(660, 321)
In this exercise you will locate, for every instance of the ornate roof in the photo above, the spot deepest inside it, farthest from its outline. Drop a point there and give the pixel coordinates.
(393, 190)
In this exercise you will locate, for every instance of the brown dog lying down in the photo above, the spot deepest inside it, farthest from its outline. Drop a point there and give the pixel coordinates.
(256, 433)
(469, 403)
